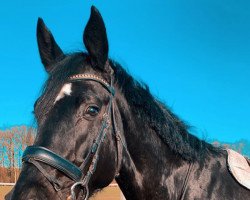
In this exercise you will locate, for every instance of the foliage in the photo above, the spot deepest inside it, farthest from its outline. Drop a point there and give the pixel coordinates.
(13, 141)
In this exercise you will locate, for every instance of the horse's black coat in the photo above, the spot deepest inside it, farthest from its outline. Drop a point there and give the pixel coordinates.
(159, 147)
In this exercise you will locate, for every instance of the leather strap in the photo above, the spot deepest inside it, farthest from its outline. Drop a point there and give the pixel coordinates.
(184, 188)
(80, 77)
(52, 179)
(48, 157)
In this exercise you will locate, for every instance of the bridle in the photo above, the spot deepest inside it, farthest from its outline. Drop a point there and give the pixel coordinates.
(37, 154)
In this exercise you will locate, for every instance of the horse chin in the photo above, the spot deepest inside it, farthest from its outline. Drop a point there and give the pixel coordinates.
(31, 195)
(31, 185)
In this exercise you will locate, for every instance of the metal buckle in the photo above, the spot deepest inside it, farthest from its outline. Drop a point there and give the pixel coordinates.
(83, 186)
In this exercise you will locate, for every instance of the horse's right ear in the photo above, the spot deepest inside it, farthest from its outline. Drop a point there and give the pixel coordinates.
(49, 51)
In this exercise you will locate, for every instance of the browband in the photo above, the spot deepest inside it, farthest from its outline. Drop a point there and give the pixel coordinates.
(47, 156)
(79, 77)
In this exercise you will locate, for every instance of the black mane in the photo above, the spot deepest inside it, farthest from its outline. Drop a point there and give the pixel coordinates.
(159, 117)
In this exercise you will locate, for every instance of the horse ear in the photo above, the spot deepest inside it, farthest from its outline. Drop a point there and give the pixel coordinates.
(49, 51)
(95, 39)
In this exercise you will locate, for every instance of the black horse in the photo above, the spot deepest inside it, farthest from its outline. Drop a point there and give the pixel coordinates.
(96, 123)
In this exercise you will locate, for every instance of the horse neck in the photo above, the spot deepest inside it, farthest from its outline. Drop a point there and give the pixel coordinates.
(146, 163)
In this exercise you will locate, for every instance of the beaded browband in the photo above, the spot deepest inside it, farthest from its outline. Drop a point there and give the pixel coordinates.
(92, 77)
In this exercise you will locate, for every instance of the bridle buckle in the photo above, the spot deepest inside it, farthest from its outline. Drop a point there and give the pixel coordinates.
(84, 187)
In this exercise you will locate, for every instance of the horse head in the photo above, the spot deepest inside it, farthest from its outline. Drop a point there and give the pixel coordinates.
(76, 150)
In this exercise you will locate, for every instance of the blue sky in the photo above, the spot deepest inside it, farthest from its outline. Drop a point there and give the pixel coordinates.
(193, 54)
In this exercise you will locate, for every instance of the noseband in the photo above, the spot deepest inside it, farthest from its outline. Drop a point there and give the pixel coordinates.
(37, 154)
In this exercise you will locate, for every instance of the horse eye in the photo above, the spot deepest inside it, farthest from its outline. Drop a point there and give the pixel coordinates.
(92, 110)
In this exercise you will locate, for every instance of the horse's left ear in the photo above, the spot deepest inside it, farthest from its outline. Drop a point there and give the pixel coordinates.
(95, 39)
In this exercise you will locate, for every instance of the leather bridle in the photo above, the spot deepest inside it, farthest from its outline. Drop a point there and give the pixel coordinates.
(37, 154)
